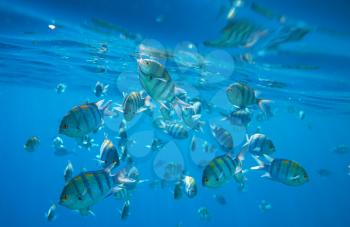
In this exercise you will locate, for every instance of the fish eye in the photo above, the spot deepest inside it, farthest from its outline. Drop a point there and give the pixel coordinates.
(65, 197)
(65, 126)
(79, 198)
(217, 179)
(206, 180)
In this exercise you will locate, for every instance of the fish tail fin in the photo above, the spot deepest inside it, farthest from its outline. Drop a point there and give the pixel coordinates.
(261, 165)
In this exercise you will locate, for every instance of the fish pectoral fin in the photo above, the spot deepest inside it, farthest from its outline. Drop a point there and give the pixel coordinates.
(86, 212)
(140, 110)
(119, 109)
(295, 177)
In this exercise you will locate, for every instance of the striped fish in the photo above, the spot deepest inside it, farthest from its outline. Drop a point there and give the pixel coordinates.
(87, 189)
(133, 103)
(241, 95)
(83, 120)
(191, 117)
(238, 117)
(222, 137)
(237, 33)
(156, 80)
(221, 170)
(259, 144)
(285, 171)
(176, 130)
(108, 154)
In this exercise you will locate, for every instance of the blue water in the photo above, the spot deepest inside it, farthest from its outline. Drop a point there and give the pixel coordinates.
(310, 75)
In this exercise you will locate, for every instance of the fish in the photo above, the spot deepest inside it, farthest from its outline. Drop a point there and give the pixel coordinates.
(241, 96)
(341, 149)
(32, 143)
(129, 177)
(60, 88)
(108, 154)
(264, 206)
(190, 186)
(220, 199)
(191, 117)
(222, 137)
(157, 144)
(87, 143)
(222, 169)
(51, 213)
(285, 171)
(204, 214)
(259, 144)
(134, 103)
(123, 140)
(174, 129)
(68, 172)
(83, 120)
(124, 213)
(57, 142)
(238, 33)
(193, 143)
(178, 190)
(301, 115)
(100, 89)
(240, 117)
(158, 84)
(87, 189)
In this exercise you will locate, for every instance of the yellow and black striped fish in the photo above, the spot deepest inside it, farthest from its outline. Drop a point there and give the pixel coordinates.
(87, 189)
(156, 80)
(83, 120)
(108, 154)
(222, 137)
(241, 95)
(221, 170)
(285, 171)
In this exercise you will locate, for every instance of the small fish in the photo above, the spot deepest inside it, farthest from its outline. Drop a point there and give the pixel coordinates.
(178, 190)
(134, 103)
(190, 186)
(193, 143)
(241, 96)
(124, 213)
(51, 213)
(204, 214)
(285, 171)
(222, 137)
(68, 172)
(157, 144)
(84, 119)
(129, 177)
(259, 144)
(239, 117)
(220, 199)
(87, 143)
(57, 142)
(324, 172)
(174, 129)
(86, 189)
(100, 89)
(191, 116)
(341, 149)
(221, 170)
(108, 154)
(32, 143)
(301, 115)
(61, 88)
(264, 206)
